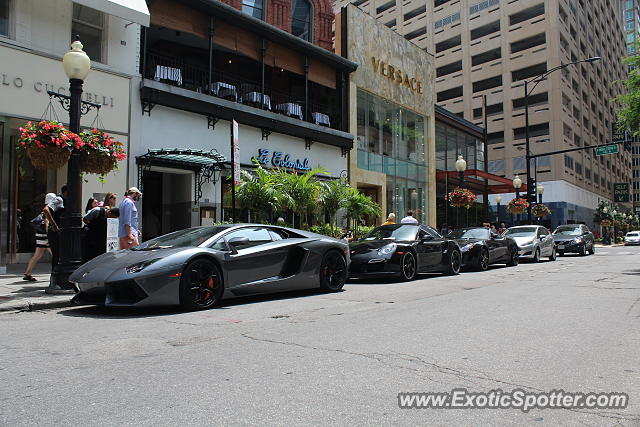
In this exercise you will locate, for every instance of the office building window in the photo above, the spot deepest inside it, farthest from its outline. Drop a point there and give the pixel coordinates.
(254, 8)
(301, 19)
(89, 24)
(4, 17)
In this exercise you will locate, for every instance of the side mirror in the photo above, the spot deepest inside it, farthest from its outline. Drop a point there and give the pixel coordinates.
(426, 238)
(234, 242)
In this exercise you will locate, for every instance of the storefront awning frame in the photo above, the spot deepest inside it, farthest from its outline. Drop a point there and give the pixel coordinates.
(206, 165)
(130, 10)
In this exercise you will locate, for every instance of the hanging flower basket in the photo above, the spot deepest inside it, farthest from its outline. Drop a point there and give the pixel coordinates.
(48, 144)
(100, 153)
(461, 198)
(517, 205)
(541, 210)
(605, 223)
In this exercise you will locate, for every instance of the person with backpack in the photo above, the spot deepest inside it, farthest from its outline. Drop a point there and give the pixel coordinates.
(40, 225)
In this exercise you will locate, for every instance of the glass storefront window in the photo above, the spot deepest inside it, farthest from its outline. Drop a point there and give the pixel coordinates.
(391, 140)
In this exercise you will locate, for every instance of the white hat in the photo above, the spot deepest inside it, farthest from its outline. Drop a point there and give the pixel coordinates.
(134, 190)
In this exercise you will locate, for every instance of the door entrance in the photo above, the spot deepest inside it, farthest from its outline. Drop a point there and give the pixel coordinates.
(166, 202)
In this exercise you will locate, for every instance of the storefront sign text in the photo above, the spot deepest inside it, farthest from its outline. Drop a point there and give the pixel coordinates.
(43, 87)
(279, 159)
(397, 76)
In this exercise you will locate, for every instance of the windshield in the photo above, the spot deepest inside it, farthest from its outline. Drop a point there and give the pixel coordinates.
(521, 232)
(568, 231)
(191, 237)
(395, 232)
(469, 233)
(633, 234)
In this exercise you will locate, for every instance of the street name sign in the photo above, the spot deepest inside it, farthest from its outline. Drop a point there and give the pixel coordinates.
(607, 149)
(621, 192)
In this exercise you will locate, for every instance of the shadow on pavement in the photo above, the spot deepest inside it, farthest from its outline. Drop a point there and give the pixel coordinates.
(138, 312)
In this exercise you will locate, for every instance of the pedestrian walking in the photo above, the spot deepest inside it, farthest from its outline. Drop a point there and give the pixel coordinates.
(502, 228)
(95, 237)
(128, 230)
(409, 219)
(40, 225)
(391, 219)
(110, 200)
(347, 234)
(52, 212)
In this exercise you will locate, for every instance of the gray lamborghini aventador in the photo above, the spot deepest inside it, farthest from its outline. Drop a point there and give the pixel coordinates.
(200, 266)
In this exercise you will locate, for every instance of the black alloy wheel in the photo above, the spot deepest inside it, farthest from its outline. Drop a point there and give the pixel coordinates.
(408, 266)
(333, 271)
(483, 260)
(552, 257)
(455, 262)
(514, 258)
(536, 255)
(201, 285)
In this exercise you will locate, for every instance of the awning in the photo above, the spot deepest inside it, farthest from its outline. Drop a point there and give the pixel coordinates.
(504, 185)
(195, 160)
(131, 10)
(205, 164)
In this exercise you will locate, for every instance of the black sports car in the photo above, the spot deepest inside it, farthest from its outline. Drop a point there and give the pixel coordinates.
(404, 250)
(198, 267)
(482, 247)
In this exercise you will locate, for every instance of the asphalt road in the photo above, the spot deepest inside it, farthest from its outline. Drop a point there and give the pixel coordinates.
(338, 359)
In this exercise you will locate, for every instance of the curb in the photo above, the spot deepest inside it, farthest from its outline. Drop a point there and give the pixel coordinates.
(36, 305)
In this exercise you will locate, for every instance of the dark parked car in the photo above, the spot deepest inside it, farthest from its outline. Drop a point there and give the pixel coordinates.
(199, 266)
(576, 238)
(482, 247)
(404, 250)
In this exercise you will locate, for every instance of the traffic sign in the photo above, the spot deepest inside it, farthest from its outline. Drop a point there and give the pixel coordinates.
(607, 149)
(621, 192)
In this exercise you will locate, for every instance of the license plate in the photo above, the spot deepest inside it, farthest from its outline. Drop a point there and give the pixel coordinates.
(560, 246)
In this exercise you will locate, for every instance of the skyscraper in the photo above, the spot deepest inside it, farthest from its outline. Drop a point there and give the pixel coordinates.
(491, 47)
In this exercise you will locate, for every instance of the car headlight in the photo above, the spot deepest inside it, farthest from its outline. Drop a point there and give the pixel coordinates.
(386, 250)
(578, 240)
(467, 247)
(527, 243)
(135, 268)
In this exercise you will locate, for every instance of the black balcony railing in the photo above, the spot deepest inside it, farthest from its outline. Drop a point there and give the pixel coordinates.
(178, 72)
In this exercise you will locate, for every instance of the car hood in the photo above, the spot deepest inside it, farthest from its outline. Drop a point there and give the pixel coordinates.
(522, 241)
(101, 268)
(463, 242)
(563, 237)
(369, 245)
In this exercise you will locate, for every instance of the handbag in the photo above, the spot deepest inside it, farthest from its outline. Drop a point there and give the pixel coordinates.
(38, 223)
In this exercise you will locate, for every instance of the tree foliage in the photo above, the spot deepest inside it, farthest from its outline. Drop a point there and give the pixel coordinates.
(629, 114)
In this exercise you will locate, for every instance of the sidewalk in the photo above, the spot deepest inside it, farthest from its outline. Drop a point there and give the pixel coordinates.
(19, 295)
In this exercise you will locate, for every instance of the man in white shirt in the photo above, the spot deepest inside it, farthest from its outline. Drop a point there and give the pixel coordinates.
(409, 219)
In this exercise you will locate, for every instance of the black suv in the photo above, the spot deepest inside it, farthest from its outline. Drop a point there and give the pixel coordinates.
(576, 238)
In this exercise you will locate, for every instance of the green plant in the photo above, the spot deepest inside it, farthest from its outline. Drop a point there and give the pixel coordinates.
(299, 191)
(359, 205)
(258, 191)
(333, 195)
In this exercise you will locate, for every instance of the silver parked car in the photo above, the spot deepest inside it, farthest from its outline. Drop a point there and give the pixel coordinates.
(632, 238)
(534, 242)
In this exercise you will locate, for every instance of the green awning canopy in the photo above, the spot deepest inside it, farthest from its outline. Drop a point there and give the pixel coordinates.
(195, 160)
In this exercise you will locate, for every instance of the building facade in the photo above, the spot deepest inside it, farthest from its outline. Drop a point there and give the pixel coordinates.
(206, 64)
(490, 47)
(33, 37)
(391, 112)
(631, 16)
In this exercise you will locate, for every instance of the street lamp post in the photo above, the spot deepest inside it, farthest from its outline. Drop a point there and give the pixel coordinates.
(498, 200)
(527, 92)
(76, 66)
(517, 183)
(539, 190)
(461, 166)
